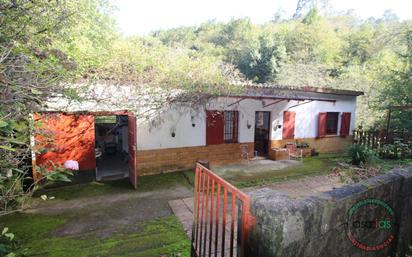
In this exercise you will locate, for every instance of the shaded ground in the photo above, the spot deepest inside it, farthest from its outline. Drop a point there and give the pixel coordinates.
(108, 219)
(112, 166)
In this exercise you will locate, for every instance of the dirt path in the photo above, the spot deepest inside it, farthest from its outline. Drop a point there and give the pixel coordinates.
(103, 215)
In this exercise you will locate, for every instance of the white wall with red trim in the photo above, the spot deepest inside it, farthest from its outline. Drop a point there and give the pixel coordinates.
(157, 132)
(306, 120)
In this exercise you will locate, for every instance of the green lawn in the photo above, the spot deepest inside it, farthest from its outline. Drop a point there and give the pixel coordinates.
(35, 234)
(387, 165)
(152, 238)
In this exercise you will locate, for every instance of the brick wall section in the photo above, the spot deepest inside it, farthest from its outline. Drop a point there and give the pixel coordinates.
(331, 144)
(173, 159)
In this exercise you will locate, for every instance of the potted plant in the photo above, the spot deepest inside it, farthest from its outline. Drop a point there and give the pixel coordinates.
(306, 150)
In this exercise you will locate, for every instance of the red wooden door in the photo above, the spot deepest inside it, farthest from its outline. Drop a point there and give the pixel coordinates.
(289, 125)
(214, 127)
(132, 141)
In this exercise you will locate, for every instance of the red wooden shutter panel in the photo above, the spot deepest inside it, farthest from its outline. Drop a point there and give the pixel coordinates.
(345, 124)
(214, 128)
(235, 126)
(322, 124)
(288, 125)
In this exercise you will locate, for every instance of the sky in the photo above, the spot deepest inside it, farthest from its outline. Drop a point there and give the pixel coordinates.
(139, 17)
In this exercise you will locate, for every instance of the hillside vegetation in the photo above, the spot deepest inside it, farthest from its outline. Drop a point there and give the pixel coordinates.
(47, 45)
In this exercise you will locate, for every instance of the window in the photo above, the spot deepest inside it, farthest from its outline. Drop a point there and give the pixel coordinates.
(230, 126)
(332, 123)
(328, 123)
(221, 127)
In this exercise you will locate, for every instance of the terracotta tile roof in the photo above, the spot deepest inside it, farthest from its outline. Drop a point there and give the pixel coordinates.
(267, 87)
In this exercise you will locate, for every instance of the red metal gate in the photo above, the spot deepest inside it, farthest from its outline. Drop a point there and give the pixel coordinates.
(215, 203)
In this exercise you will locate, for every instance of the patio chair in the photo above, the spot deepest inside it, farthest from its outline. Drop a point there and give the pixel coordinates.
(245, 153)
(294, 152)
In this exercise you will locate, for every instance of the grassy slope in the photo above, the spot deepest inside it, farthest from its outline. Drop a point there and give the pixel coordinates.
(153, 238)
(387, 165)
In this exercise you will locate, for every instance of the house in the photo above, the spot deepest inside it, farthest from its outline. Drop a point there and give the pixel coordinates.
(264, 117)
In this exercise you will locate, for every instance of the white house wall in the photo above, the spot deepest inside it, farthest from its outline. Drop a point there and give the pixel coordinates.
(157, 133)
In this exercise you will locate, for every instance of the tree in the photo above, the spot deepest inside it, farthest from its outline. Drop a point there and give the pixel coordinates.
(37, 57)
(389, 16)
(260, 61)
(305, 6)
(398, 86)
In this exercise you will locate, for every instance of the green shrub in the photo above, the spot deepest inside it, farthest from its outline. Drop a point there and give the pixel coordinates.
(7, 244)
(397, 150)
(361, 154)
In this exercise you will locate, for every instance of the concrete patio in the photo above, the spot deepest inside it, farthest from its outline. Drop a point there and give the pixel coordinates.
(253, 168)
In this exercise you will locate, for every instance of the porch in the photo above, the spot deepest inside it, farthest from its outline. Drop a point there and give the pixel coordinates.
(262, 172)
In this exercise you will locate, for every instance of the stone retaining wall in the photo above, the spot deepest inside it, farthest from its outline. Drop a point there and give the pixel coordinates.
(316, 225)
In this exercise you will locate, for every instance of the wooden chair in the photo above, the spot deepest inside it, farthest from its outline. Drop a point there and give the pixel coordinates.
(294, 151)
(246, 154)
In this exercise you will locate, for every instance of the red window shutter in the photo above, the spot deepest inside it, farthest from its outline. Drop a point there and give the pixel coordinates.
(214, 128)
(345, 124)
(288, 125)
(322, 124)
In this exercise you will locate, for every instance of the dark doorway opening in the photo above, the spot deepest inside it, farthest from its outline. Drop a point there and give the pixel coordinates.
(262, 133)
(112, 146)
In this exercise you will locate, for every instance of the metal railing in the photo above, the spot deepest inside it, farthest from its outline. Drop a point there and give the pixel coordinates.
(222, 220)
